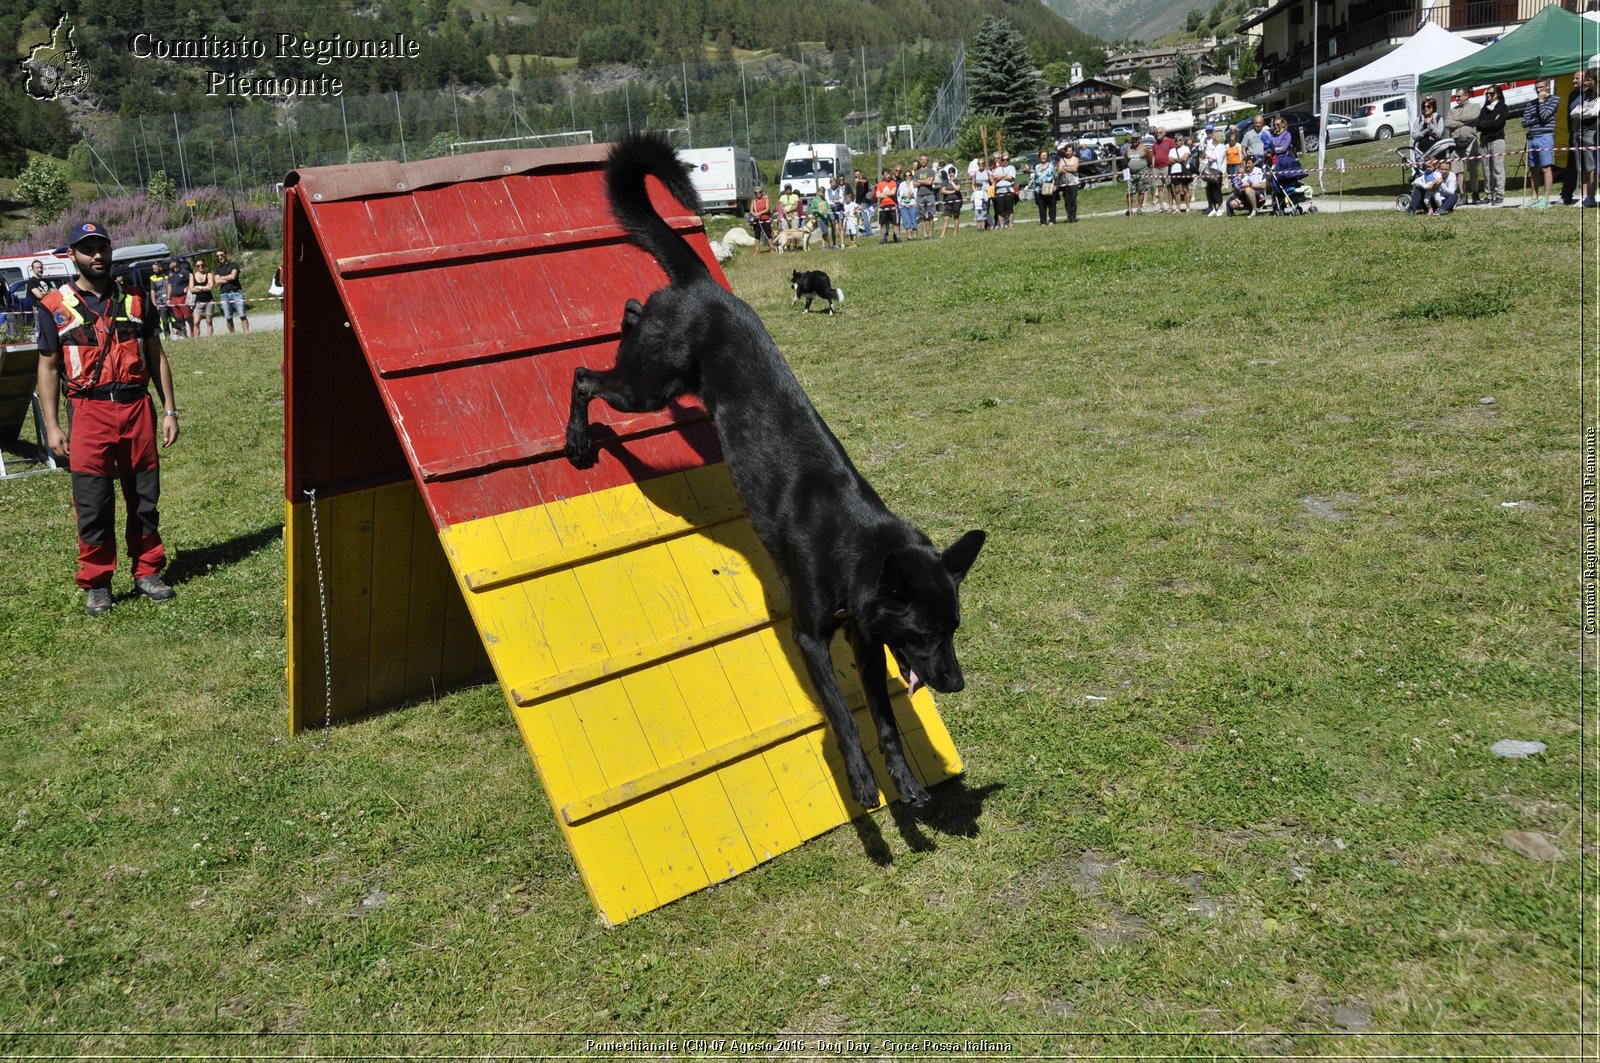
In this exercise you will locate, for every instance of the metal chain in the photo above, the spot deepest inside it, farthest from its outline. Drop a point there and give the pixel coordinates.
(322, 600)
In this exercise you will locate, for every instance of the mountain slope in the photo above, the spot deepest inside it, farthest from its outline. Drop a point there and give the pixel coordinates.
(1118, 19)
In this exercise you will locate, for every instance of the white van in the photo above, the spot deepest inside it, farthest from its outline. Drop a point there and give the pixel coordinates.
(13, 271)
(726, 178)
(58, 267)
(805, 164)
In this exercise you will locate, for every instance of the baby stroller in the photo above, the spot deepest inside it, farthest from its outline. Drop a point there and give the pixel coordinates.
(1414, 161)
(1291, 193)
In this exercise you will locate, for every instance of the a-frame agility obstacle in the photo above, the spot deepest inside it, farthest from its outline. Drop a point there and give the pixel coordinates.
(434, 315)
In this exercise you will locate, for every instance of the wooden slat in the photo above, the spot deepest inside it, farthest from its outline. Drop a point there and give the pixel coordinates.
(457, 466)
(595, 548)
(445, 256)
(672, 774)
(492, 348)
(530, 691)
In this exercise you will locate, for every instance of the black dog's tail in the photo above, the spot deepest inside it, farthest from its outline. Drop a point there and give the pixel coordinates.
(632, 158)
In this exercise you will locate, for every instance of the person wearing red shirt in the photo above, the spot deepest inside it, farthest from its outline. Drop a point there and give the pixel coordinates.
(101, 344)
(1160, 167)
(888, 206)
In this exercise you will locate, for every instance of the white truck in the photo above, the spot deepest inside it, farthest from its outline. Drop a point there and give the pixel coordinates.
(1173, 121)
(726, 178)
(804, 165)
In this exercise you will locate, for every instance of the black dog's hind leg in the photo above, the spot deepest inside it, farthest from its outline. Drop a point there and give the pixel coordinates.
(863, 784)
(874, 673)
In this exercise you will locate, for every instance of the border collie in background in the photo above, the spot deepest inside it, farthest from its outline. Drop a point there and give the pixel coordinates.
(814, 284)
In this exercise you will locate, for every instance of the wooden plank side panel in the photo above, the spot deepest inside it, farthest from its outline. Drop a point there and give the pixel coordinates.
(303, 666)
(393, 511)
(425, 606)
(347, 553)
(463, 659)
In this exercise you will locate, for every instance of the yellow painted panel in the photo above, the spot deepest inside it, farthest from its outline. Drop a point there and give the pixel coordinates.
(538, 727)
(671, 729)
(397, 628)
(609, 586)
(346, 522)
(299, 659)
(425, 604)
(512, 632)
(718, 699)
(609, 865)
(573, 748)
(393, 512)
(671, 720)
(569, 627)
(659, 835)
(716, 586)
(813, 796)
(574, 520)
(482, 543)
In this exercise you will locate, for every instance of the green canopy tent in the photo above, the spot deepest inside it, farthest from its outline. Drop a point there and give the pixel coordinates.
(1550, 43)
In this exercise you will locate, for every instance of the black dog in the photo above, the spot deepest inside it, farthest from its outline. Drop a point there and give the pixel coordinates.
(814, 284)
(845, 558)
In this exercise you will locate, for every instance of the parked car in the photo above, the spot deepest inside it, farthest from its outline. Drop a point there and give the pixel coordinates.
(1381, 120)
(1123, 131)
(1303, 127)
(1340, 130)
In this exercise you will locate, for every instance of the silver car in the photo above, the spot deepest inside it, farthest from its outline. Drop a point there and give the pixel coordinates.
(1339, 129)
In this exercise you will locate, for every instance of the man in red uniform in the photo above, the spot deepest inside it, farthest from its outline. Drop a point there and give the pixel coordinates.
(102, 346)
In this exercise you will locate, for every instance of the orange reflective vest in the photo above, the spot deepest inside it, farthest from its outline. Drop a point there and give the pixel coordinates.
(95, 352)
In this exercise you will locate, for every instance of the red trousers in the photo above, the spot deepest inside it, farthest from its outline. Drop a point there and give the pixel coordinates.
(114, 443)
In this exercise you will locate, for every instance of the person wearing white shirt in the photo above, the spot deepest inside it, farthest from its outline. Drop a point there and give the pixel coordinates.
(982, 178)
(906, 198)
(1214, 171)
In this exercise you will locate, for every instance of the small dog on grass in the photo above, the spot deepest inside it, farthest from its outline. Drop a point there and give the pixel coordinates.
(846, 559)
(814, 284)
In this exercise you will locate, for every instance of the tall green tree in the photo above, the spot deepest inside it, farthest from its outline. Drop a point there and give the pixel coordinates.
(1182, 92)
(1001, 78)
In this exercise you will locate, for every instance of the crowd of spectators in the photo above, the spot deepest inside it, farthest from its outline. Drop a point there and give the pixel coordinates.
(1241, 171)
(923, 200)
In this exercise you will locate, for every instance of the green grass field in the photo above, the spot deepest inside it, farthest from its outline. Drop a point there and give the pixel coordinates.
(1268, 573)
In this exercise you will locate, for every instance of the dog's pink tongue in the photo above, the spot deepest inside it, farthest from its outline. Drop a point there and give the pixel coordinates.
(913, 682)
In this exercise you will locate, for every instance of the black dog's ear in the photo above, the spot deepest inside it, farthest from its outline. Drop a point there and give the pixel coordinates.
(962, 553)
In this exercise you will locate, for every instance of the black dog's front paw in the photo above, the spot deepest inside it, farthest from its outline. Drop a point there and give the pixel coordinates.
(580, 448)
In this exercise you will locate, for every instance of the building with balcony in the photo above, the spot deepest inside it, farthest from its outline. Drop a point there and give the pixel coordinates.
(1093, 107)
(1162, 63)
(1352, 33)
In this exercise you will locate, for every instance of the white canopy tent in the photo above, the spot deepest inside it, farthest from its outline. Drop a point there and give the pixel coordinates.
(1394, 74)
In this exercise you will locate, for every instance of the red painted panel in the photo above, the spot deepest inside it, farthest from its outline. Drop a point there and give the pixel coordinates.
(471, 330)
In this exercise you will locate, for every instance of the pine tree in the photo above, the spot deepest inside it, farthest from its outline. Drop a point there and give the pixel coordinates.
(1182, 92)
(1001, 78)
